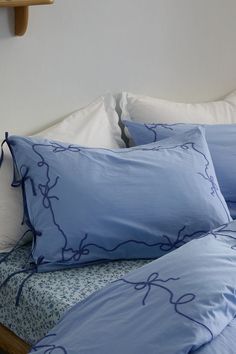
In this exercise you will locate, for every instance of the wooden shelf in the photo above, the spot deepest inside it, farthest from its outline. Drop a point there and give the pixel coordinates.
(19, 3)
(22, 12)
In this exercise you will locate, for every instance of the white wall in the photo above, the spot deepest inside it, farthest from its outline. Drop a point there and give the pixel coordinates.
(76, 50)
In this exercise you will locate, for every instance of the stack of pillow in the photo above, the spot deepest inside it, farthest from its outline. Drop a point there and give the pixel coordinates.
(86, 198)
(149, 119)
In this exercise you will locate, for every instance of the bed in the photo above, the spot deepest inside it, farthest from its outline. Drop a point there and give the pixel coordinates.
(47, 297)
(175, 304)
(86, 217)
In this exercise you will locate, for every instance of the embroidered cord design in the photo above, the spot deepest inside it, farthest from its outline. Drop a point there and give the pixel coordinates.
(166, 245)
(223, 231)
(214, 189)
(180, 240)
(153, 128)
(46, 190)
(210, 179)
(50, 348)
(24, 270)
(154, 281)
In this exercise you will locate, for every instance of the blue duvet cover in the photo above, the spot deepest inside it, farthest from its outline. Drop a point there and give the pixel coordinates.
(225, 343)
(184, 302)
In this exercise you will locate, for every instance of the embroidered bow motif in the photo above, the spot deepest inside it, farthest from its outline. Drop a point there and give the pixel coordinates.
(154, 281)
(50, 348)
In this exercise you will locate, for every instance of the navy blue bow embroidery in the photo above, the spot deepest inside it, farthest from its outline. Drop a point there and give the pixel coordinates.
(50, 348)
(154, 281)
(166, 245)
(48, 198)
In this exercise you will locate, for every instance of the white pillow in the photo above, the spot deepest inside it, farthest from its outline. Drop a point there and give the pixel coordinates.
(95, 126)
(146, 109)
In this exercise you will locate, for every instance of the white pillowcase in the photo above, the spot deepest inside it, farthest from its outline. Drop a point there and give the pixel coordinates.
(146, 109)
(95, 126)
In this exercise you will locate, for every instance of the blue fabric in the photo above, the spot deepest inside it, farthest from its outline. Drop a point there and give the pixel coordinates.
(174, 305)
(221, 140)
(47, 296)
(88, 205)
(225, 343)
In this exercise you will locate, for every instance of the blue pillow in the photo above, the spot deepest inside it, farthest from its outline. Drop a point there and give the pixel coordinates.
(88, 205)
(221, 140)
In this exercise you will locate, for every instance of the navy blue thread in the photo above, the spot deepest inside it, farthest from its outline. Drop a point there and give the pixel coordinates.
(19, 292)
(15, 181)
(32, 270)
(164, 246)
(22, 271)
(153, 128)
(153, 280)
(24, 172)
(46, 189)
(221, 231)
(2, 150)
(48, 186)
(49, 348)
(214, 189)
(180, 239)
(5, 257)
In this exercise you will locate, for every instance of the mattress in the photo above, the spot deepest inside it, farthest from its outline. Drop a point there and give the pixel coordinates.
(46, 296)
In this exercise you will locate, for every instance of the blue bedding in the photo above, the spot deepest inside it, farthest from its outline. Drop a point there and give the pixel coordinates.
(46, 297)
(182, 303)
(83, 206)
(225, 343)
(221, 142)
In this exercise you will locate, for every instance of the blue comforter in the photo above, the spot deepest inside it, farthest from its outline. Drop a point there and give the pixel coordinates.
(181, 303)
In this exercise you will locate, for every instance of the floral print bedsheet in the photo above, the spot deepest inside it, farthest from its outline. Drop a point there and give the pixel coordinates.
(46, 296)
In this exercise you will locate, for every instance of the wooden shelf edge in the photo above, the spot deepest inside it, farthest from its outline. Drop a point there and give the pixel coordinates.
(23, 3)
(21, 8)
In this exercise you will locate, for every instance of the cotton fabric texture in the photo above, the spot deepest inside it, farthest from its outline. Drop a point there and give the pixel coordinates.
(176, 304)
(146, 109)
(95, 125)
(221, 140)
(89, 205)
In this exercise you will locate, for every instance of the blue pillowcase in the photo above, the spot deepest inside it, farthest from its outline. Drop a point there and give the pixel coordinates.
(88, 205)
(221, 140)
